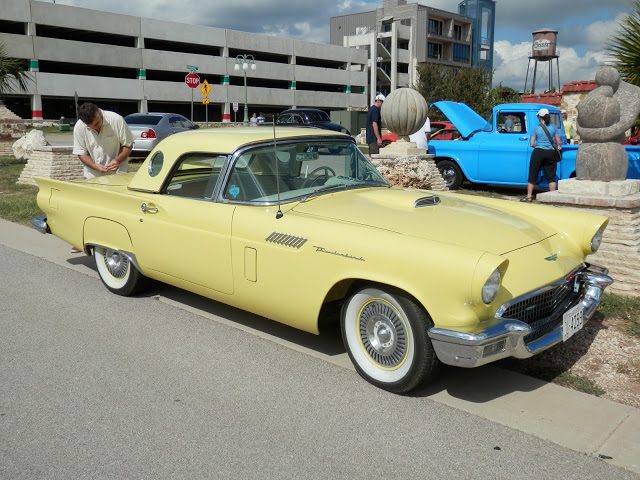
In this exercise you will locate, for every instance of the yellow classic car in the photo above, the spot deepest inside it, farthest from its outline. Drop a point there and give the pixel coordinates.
(296, 225)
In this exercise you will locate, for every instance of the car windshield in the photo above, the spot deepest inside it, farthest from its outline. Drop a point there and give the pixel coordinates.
(317, 116)
(136, 119)
(303, 169)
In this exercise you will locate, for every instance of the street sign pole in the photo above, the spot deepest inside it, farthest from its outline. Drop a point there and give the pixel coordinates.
(192, 104)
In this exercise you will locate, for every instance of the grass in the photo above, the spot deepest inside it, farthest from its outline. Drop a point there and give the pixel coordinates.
(577, 382)
(46, 130)
(626, 309)
(17, 202)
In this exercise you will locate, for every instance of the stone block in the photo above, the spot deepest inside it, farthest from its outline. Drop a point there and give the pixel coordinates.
(617, 188)
(410, 171)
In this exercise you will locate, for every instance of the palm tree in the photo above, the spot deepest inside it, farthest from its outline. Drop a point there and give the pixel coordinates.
(12, 72)
(625, 47)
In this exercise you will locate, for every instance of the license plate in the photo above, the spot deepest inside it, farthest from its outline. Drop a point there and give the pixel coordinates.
(572, 321)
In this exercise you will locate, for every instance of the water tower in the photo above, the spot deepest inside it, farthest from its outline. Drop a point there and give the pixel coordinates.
(543, 50)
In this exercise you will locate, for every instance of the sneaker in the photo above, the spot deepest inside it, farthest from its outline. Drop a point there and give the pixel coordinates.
(526, 199)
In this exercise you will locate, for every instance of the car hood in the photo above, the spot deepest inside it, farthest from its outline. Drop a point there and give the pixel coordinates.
(454, 220)
(463, 118)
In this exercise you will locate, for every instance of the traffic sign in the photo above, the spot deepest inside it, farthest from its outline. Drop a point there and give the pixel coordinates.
(205, 88)
(205, 100)
(235, 106)
(192, 80)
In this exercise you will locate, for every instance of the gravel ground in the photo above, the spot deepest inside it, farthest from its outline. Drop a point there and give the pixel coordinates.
(601, 359)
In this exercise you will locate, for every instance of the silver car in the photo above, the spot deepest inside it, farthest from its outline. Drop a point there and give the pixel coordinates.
(149, 128)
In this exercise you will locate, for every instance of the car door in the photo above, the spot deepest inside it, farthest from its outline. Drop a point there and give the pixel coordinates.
(182, 233)
(503, 154)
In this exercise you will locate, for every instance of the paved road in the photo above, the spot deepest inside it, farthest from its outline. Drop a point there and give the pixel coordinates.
(98, 386)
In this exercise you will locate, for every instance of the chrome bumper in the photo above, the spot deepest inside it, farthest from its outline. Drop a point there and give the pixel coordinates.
(39, 222)
(507, 337)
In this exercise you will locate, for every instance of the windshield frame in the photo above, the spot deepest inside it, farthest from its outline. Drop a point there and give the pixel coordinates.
(303, 194)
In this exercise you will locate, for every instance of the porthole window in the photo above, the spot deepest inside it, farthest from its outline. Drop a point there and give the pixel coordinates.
(155, 164)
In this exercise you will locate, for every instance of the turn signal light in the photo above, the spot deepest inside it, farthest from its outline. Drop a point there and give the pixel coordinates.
(148, 134)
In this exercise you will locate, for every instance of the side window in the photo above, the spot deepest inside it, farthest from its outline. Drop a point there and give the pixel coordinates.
(286, 118)
(511, 122)
(255, 176)
(297, 119)
(196, 176)
(176, 122)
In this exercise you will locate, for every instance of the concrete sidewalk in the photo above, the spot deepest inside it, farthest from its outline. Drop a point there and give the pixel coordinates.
(575, 420)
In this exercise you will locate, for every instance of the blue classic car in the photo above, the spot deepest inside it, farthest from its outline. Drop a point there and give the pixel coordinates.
(497, 151)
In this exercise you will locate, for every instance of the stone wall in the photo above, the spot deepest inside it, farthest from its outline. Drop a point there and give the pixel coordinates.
(620, 248)
(410, 171)
(52, 162)
(12, 127)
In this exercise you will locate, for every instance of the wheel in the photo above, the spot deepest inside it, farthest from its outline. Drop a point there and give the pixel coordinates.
(117, 272)
(451, 174)
(385, 334)
(312, 177)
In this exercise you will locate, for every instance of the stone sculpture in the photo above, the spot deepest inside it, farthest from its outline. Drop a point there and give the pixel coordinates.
(23, 147)
(604, 116)
(404, 112)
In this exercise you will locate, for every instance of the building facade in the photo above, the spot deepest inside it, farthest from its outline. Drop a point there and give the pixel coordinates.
(400, 36)
(128, 64)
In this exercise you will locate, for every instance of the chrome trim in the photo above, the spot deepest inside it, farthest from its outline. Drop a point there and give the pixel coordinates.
(426, 201)
(286, 240)
(130, 255)
(39, 222)
(467, 349)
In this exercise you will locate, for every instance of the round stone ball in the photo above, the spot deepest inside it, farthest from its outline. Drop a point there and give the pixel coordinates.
(404, 111)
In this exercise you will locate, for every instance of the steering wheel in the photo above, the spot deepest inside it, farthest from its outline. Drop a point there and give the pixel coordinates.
(312, 179)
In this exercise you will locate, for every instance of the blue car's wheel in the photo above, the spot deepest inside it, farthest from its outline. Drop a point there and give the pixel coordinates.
(451, 174)
(385, 334)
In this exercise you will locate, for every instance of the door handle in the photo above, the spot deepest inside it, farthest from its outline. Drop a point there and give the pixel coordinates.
(147, 209)
(523, 138)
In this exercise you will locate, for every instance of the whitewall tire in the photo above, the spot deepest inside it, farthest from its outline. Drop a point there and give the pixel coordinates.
(117, 272)
(385, 334)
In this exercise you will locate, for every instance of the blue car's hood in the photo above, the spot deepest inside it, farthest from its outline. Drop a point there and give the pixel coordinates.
(463, 118)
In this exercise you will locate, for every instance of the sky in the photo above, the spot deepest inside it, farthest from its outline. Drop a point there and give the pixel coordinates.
(585, 26)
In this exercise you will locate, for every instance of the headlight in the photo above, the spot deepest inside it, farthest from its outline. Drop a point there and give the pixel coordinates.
(597, 240)
(491, 286)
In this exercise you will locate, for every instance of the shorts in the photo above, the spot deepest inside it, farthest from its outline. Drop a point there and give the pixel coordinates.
(542, 159)
(374, 148)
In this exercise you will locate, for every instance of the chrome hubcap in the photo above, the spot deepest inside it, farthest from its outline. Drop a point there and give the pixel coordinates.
(382, 334)
(448, 175)
(116, 263)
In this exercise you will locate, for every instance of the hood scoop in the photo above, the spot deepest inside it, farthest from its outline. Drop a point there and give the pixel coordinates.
(427, 201)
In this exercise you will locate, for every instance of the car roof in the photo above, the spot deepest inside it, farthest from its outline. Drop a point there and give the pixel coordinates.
(221, 140)
(294, 110)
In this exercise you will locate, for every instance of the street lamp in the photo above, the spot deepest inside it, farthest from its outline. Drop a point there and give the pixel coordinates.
(245, 62)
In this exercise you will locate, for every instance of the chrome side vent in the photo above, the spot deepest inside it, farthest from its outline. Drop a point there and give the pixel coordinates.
(427, 201)
(286, 240)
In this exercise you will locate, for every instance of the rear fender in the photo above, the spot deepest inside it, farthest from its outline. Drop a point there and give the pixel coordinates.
(106, 233)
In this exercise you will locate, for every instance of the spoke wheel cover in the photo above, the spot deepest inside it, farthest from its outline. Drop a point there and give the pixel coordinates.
(382, 333)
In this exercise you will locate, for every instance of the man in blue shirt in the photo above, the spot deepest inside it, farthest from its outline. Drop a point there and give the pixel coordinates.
(544, 141)
(374, 125)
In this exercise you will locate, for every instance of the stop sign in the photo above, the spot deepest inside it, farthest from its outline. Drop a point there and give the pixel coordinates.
(192, 80)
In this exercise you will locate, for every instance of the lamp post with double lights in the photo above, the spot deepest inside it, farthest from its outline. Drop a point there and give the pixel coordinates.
(245, 62)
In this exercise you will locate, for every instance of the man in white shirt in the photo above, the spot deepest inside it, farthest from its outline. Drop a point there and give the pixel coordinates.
(102, 140)
(421, 137)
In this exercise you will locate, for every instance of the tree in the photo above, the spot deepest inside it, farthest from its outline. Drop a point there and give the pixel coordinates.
(468, 85)
(625, 47)
(12, 72)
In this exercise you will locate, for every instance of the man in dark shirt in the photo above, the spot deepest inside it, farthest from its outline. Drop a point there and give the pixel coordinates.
(374, 125)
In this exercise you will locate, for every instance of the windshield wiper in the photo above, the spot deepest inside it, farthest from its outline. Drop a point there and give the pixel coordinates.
(344, 186)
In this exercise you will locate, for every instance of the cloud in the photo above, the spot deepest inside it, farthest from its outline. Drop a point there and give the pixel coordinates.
(511, 60)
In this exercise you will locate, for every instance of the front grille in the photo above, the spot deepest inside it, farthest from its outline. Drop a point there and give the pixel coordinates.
(542, 311)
